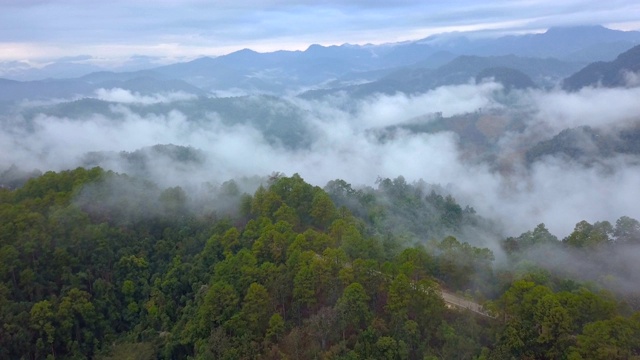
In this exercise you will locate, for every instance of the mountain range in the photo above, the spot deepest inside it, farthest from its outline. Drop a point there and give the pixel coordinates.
(443, 59)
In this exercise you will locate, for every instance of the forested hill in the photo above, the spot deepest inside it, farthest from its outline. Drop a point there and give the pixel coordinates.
(95, 264)
(621, 72)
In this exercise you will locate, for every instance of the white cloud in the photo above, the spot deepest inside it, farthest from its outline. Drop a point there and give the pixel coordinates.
(632, 79)
(124, 96)
(553, 191)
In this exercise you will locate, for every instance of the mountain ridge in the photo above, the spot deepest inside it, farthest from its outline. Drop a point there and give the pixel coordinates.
(559, 42)
(617, 73)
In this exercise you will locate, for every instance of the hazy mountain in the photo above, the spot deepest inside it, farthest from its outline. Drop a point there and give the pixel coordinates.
(579, 43)
(102, 76)
(272, 72)
(11, 90)
(281, 71)
(599, 52)
(588, 145)
(477, 132)
(279, 121)
(560, 42)
(411, 80)
(150, 85)
(623, 71)
(247, 71)
(66, 67)
(72, 67)
(509, 78)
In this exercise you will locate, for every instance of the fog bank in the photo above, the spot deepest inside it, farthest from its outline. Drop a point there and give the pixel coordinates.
(553, 190)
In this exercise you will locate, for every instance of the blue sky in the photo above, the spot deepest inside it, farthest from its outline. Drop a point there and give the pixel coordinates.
(37, 30)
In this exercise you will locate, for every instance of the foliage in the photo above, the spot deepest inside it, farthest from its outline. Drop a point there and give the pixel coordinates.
(100, 265)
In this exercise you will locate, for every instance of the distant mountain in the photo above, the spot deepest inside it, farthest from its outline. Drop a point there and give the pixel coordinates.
(278, 120)
(477, 132)
(575, 44)
(11, 90)
(509, 78)
(561, 43)
(599, 52)
(273, 72)
(148, 83)
(515, 71)
(322, 67)
(72, 67)
(67, 67)
(624, 71)
(588, 145)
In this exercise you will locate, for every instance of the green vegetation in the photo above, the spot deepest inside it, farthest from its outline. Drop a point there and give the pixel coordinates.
(95, 264)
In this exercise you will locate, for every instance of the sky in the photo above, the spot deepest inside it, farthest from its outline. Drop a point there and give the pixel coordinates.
(41, 30)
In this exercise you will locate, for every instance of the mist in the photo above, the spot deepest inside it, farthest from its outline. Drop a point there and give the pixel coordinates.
(131, 97)
(554, 190)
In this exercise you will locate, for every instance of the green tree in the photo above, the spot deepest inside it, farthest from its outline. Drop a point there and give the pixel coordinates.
(220, 303)
(627, 230)
(323, 211)
(353, 308)
(614, 339)
(399, 299)
(42, 321)
(276, 328)
(256, 311)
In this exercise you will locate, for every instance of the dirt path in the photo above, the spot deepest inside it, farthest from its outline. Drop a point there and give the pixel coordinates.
(451, 300)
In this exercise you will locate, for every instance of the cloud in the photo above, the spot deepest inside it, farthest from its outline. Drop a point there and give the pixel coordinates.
(124, 96)
(192, 27)
(447, 100)
(589, 106)
(554, 190)
(632, 79)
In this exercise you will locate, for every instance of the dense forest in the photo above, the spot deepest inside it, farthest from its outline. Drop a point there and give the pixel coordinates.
(96, 264)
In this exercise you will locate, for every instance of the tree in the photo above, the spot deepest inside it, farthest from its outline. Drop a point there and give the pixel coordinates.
(416, 263)
(304, 287)
(323, 211)
(77, 322)
(398, 302)
(220, 303)
(174, 201)
(554, 327)
(627, 230)
(276, 328)
(586, 235)
(42, 321)
(389, 348)
(237, 270)
(614, 339)
(322, 325)
(256, 311)
(353, 308)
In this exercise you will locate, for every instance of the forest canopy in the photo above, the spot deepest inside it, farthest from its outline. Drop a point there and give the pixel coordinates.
(96, 264)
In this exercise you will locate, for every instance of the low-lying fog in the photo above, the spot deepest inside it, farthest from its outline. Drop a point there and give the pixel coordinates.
(553, 190)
